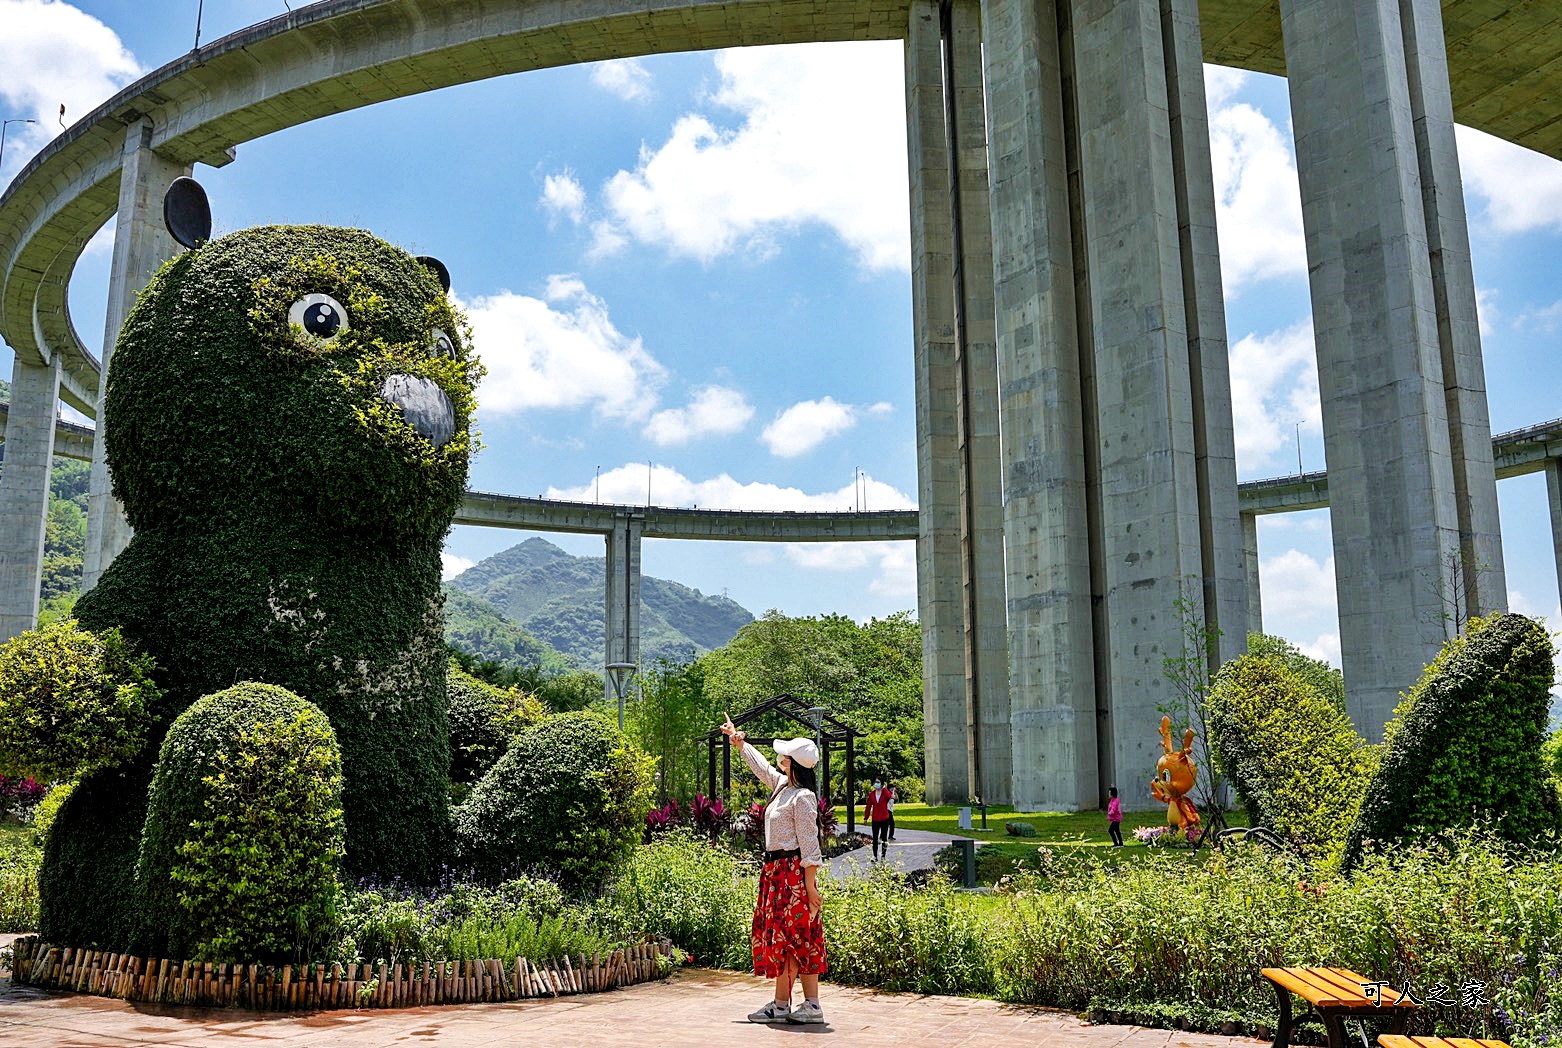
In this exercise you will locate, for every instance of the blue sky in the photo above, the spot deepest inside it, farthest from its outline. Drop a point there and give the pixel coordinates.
(693, 271)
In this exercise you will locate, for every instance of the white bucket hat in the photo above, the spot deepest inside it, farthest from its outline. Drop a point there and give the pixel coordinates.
(803, 751)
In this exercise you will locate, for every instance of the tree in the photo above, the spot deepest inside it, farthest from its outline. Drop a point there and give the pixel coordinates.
(1319, 675)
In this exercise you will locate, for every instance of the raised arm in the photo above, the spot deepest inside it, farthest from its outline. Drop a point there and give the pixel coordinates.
(761, 767)
(752, 757)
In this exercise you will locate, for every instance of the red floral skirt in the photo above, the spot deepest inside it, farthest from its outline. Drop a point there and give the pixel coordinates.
(784, 931)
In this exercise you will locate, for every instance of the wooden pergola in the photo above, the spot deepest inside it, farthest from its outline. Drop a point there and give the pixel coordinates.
(824, 728)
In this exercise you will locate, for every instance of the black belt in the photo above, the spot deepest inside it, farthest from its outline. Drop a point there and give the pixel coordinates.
(788, 853)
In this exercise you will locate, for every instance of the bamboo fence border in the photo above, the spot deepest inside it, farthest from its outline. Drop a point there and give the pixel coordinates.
(323, 986)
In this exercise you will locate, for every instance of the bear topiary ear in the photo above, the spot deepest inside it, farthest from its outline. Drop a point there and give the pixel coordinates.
(438, 268)
(187, 213)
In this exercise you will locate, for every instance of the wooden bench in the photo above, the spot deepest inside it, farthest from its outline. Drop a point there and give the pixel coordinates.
(1399, 1040)
(1335, 994)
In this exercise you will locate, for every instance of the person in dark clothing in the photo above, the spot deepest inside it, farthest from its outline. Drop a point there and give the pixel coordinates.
(876, 812)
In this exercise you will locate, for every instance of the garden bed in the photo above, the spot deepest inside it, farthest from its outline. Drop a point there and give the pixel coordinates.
(319, 986)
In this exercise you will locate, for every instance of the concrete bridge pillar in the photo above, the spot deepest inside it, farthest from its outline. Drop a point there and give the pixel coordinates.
(1255, 609)
(24, 491)
(1119, 461)
(141, 245)
(1554, 497)
(960, 546)
(1399, 360)
(623, 592)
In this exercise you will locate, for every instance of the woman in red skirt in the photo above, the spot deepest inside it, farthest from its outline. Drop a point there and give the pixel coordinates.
(788, 928)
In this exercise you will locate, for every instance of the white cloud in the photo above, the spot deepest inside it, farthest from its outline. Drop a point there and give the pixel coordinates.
(564, 196)
(1274, 385)
(819, 139)
(807, 424)
(560, 351)
(626, 485)
(1258, 201)
(1521, 189)
(628, 78)
(452, 565)
(713, 411)
(1325, 647)
(894, 563)
(1540, 319)
(1304, 584)
(53, 53)
(1487, 312)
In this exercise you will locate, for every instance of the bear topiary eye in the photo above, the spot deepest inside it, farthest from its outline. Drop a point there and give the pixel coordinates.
(321, 316)
(442, 345)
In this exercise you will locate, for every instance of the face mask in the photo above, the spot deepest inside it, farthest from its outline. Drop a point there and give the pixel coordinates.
(878, 785)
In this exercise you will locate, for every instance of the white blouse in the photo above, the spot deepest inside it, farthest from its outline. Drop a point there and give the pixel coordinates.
(792, 819)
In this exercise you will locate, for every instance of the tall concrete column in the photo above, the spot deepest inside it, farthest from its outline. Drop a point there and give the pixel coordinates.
(623, 593)
(24, 492)
(940, 596)
(1554, 497)
(1149, 282)
(1120, 473)
(1255, 607)
(981, 487)
(1404, 419)
(1052, 685)
(141, 245)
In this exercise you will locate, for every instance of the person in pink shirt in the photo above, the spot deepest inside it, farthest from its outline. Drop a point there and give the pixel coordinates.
(1114, 819)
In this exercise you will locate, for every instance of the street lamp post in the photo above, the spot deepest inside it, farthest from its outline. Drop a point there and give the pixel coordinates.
(7, 123)
(621, 673)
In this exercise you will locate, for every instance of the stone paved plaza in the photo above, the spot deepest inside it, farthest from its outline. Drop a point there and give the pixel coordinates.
(696, 1007)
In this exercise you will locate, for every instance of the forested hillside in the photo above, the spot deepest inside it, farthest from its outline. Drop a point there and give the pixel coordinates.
(558, 599)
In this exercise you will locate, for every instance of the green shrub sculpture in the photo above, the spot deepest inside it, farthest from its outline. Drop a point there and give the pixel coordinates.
(1298, 766)
(86, 885)
(71, 702)
(288, 425)
(483, 721)
(568, 799)
(1465, 744)
(243, 834)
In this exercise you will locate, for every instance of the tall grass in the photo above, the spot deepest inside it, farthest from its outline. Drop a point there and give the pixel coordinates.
(880, 933)
(680, 888)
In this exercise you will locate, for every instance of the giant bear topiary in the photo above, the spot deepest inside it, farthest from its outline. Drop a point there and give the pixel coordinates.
(1465, 745)
(287, 422)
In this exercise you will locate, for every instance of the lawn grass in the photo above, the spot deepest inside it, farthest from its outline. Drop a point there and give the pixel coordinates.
(1072, 835)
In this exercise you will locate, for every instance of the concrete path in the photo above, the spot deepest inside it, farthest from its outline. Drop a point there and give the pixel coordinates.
(695, 1007)
(911, 850)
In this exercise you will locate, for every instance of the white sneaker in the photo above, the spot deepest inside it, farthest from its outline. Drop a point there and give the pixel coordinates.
(774, 1012)
(807, 1012)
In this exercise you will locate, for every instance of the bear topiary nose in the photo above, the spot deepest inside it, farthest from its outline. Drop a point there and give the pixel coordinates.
(424, 405)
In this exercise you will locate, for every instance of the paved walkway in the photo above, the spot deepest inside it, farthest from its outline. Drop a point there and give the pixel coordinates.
(695, 1007)
(911, 850)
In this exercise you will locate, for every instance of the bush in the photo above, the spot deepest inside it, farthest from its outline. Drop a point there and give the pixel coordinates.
(1465, 744)
(569, 798)
(244, 830)
(47, 809)
(1450, 911)
(681, 889)
(1319, 675)
(19, 798)
(881, 933)
(1297, 765)
(86, 890)
(483, 721)
(525, 917)
(71, 702)
(19, 861)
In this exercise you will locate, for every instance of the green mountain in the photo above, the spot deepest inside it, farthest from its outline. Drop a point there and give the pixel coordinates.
(559, 599)
(478, 628)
